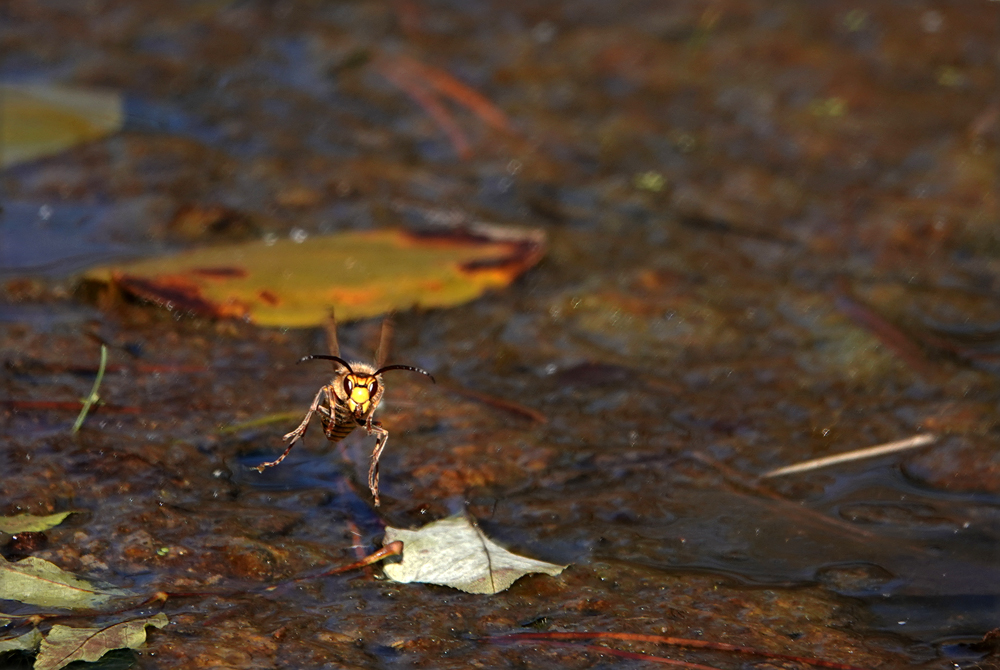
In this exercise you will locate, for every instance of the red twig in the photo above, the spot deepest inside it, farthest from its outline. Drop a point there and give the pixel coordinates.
(499, 403)
(663, 660)
(890, 335)
(401, 77)
(664, 639)
(461, 93)
(423, 83)
(391, 549)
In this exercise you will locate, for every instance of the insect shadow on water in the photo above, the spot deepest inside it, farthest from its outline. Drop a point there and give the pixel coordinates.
(350, 401)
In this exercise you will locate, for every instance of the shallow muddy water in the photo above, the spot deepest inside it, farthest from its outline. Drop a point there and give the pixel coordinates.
(772, 236)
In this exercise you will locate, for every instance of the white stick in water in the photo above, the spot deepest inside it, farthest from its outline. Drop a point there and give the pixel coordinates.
(870, 452)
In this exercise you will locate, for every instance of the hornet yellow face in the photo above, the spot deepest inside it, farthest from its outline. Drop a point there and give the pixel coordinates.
(361, 390)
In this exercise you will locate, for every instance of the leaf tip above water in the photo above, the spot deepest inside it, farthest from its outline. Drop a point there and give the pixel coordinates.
(42, 119)
(22, 523)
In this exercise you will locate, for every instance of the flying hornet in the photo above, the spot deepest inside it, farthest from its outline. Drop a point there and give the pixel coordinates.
(349, 401)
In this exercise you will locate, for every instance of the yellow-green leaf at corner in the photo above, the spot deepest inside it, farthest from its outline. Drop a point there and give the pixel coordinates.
(43, 119)
(358, 274)
(35, 581)
(64, 644)
(22, 523)
(28, 642)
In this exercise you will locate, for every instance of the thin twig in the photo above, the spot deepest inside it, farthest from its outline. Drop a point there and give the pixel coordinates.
(894, 338)
(665, 640)
(738, 481)
(424, 96)
(856, 455)
(463, 94)
(635, 656)
(91, 399)
(391, 549)
(499, 403)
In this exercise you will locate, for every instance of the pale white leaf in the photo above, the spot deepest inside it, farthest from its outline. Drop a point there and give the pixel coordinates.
(452, 552)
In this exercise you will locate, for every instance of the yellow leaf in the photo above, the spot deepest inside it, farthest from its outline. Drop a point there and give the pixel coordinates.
(40, 119)
(27, 522)
(361, 274)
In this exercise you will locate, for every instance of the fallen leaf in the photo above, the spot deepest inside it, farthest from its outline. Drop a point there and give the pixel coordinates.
(362, 274)
(28, 523)
(452, 552)
(64, 644)
(35, 581)
(43, 119)
(27, 642)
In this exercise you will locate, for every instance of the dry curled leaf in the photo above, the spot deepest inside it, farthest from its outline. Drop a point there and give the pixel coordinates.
(452, 552)
(296, 283)
(64, 645)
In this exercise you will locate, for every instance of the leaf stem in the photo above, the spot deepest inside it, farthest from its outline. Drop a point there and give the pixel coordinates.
(92, 398)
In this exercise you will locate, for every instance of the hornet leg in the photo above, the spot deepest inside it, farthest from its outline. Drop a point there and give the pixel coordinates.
(299, 432)
(383, 437)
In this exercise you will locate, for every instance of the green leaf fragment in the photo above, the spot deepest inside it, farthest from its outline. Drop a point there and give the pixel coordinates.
(22, 523)
(35, 581)
(27, 642)
(64, 645)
